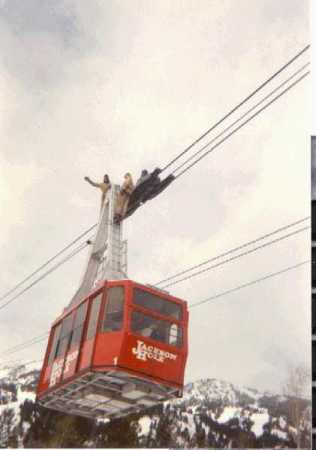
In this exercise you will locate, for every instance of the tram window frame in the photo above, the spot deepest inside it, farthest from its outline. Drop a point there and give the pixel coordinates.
(80, 318)
(95, 307)
(113, 318)
(54, 346)
(151, 327)
(65, 335)
(157, 304)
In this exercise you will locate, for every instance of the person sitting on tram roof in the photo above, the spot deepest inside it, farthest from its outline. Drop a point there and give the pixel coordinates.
(123, 197)
(153, 183)
(146, 183)
(104, 186)
(143, 177)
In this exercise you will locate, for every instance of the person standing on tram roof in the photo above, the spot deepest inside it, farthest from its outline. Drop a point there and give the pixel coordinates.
(104, 187)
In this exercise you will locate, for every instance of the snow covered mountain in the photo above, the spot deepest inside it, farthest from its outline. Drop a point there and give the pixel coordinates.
(212, 413)
(17, 389)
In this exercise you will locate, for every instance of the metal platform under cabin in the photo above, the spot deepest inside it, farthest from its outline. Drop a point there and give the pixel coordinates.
(108, 395)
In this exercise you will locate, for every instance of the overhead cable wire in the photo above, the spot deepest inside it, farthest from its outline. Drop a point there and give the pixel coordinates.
(41, 338)
(210, 129)
(22, 347)
(47, 262)
(242, 117)
(233, 258)
(81, 247)
(32, 341)
(179, 167)
(242, 286)
(244, 123)
(18, 364)
(261, 86)
(246, 244)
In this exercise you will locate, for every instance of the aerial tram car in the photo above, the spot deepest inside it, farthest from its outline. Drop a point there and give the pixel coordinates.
(119, 346)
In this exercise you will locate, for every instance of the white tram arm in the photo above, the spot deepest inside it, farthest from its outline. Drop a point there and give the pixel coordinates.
(106, 259)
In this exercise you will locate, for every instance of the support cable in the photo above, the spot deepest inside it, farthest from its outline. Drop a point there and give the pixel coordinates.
(243, 124)
(260, 238)
(261, 86)
(41, 338)
(242, 286)
(233, 258)
(242, 117)
(24, 345)
(237, 288)
(47, 263)
(81, 247)
(181, 173)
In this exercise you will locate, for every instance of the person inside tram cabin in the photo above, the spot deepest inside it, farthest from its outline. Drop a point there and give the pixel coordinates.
(123, 197)
(103, 186)
(153, 331)
(149, 330)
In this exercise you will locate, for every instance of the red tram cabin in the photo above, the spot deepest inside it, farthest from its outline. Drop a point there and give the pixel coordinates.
(120, 350)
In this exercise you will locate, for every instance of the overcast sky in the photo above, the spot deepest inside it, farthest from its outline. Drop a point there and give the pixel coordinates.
(93, 87)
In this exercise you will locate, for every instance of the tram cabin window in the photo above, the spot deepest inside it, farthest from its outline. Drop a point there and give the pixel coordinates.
(158, 304)
(65, 335)
(52, 353)
(114, 310)
(159, 330)
(78, 325)
(94, 315)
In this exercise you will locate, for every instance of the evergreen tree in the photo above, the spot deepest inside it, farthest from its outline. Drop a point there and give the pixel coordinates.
(119, 433)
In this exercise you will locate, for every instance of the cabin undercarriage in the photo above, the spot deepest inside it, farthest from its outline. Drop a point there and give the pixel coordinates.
(111, 395)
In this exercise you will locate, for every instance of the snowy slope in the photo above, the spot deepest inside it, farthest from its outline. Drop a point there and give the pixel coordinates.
(17, 385)
(212, 413)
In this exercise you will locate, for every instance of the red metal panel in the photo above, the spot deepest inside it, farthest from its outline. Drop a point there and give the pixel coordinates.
(108, 348)
(86, 354)
(108, 344)
(44, 379)
(45, 372)
(46, 369)
(156, 359)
